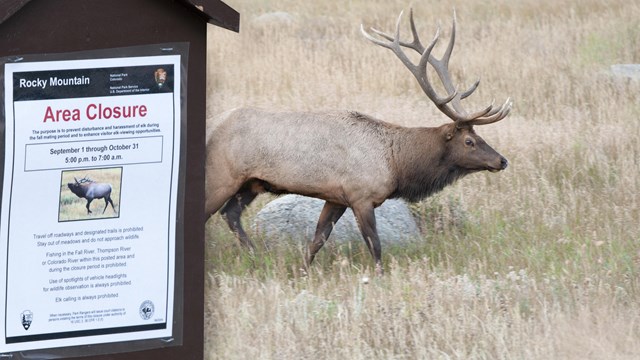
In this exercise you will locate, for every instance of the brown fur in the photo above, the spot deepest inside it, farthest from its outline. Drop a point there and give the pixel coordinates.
(345, 158)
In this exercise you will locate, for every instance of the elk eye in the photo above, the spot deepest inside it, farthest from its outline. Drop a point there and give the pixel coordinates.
(468, 142)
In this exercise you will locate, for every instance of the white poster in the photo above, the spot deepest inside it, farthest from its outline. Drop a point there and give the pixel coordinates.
(87, 229)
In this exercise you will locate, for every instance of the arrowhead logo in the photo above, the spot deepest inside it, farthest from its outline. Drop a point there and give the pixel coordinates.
(26, 318)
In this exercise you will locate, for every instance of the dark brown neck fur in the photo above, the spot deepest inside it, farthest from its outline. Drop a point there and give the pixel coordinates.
(419, 158)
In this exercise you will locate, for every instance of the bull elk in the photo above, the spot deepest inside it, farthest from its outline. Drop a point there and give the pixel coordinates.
(348, 159)
(88, 189)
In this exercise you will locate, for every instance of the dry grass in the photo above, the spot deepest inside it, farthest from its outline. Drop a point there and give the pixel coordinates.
(546, 264)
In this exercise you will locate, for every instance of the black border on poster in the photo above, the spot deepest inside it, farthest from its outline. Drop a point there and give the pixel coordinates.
(178, 48)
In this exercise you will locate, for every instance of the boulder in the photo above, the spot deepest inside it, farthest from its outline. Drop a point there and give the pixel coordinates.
(295, 217)
(628, 71)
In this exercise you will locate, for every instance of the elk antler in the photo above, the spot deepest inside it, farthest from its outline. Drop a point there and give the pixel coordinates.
(450, 104)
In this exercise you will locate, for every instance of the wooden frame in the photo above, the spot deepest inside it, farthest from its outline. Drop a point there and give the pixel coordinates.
(47, 26)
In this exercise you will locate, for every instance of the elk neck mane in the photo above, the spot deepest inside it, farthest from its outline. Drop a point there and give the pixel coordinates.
(421, 167)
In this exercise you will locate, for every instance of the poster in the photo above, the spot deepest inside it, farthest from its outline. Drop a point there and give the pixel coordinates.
(87, 228)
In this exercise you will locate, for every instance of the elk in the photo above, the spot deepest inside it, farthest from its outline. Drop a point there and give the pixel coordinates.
(88, 189)
(348, 159)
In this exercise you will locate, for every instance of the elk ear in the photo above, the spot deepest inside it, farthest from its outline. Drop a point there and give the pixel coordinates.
(449, 136)
(451, 131)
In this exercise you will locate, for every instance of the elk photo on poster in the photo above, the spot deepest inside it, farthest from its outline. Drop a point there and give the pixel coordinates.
(90, 194)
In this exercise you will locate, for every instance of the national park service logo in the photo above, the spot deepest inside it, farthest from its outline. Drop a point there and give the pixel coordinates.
(147, 309)
(26, 318)
(160, 75)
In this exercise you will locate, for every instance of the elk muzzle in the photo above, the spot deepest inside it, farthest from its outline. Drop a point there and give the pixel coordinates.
(503, 165)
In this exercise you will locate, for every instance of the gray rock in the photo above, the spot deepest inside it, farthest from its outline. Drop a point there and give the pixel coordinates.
(295, 217)
(629, 71)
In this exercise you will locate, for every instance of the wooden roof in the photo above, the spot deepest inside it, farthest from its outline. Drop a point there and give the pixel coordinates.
(214, 12)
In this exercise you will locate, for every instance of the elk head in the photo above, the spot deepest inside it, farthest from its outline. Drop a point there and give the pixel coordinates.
(464, 148)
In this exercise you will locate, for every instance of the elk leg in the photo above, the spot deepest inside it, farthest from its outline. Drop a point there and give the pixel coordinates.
(112, 206)
(366, 219)
(218, 198)
(330, 214)
(89, 203)
(107, 200)
(232, 211)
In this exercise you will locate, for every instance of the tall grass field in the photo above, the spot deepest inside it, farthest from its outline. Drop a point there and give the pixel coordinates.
(544, 261)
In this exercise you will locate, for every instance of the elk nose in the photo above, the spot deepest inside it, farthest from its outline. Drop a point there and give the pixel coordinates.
(503, 163)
